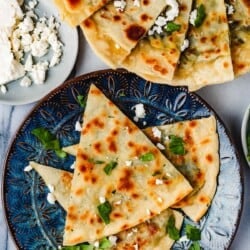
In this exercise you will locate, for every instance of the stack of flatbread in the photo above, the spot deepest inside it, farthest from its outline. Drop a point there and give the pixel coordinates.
(175, 42)
(125, 185)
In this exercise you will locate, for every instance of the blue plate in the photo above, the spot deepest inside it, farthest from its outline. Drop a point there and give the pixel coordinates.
(36, 224)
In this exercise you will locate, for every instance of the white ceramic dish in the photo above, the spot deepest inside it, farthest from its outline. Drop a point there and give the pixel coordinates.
(18, 95)
(244, 126)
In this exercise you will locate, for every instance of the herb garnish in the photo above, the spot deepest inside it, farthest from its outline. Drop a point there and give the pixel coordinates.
(193, 233)
(49, 141)
(171, 27)
(195, 246)
(109, 167)
(91, 160)
(171, 229)
(147, 157)
(176, 145)
(104, 243)
(104, 210)
(82, 246)
(201, 15)
(81, 100)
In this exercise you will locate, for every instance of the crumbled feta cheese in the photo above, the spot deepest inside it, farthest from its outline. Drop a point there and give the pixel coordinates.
(39, 48)
(185, 44)
(32, 4)
(3, 89)
(128, 163)
(139, 111)
(156, 132)
(51, 198)
(118, 202)
(144, 123)
(73, 165)
(167, 138)
(96, 244)
(130, 234)
(102, 199)
(137, 3)
(158, 182)
(193, 16)
(29, 63)
(120, 5)
(38, 72)
(230, 9)
(113, 239)
(173, 11)
(25, 82)
(78, 126)
(51, 188)
(160, 146)
(27, 168)
(59, 247)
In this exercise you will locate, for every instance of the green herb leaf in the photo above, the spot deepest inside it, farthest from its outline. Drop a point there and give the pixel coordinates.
(171, 27)
(96, 161)
(176, 145)
(109, 167)
(171, 229)
(195, 246)
(147, 157)
(193, 233)
(49, 141)
(105, 244)
(81, 100)
(104, 210)
(201, 15)
(83, 246)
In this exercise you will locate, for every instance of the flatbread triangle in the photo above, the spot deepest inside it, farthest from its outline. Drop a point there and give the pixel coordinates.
(102, 176)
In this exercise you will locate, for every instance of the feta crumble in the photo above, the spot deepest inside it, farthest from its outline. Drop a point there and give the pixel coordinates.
(156, 132)
(160, 146)
(158, 182)
(113, 239)
(51, 188)
(102, 199)
(193, 16)
(78, 126)
(230, 9)
(73, 165)
(120, 5)
(139, 112)
(128, 163)
(185, 45)
(137, 3)
(27, 168)
(51, 198)
(25, 82)
(3, 89)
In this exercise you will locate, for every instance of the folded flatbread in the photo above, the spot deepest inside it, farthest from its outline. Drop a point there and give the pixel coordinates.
(199, 162)
(75, 11)
(104, 182)
(146, 236)
(112, 34)
(156, 56)
(60, 180)
(239, 24)
(207, 60)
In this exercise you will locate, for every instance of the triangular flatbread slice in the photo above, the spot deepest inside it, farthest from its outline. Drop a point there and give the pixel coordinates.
(199, 164)
(59, 179)
(74, 12)
(193, 147)
(156, 56)
(239, 24)
(103, 177)
(207, 60)
(148, 235)
(112, 34)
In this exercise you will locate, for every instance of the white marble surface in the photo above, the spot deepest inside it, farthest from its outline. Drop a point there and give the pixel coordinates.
(228, 100)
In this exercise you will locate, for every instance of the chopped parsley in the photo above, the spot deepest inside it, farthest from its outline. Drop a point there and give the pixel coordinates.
(109, 167)
(171, 229)
(171, 27)
(193, 233)
(49, 141)
(104, 243)
(82, 246)
(104, 210)
(147, 157)
(201, 15)
(195, 246)
(91, 160)
(176, 145)
(81, 100)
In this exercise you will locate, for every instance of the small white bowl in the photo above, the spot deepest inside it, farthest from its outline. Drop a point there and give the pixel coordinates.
(244, 132)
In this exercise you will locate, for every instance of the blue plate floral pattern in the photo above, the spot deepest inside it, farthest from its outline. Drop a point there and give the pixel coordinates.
(36, 224)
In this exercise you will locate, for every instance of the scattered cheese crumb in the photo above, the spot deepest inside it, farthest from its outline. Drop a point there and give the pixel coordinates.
(193, 16)
(78, 126)
(96, 244)
(102, 199)
(160, 146)
(4, 89)
(113, 239)
(118, 202)
(185, 45)
(73, 165)
(230, 9)
(137, 3)
(25, 82)
(158, 182)
(139, 111)
(51, 198)
(51, 188)
(28, 168)
(120, 5)
(156, 132)
(128, 163)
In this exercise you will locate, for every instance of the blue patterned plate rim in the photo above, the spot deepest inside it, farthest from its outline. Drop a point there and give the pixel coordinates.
(218, 226)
